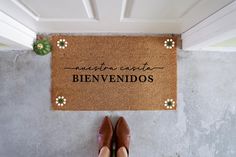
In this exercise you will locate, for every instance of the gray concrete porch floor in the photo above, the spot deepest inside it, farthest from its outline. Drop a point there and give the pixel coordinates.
(204, 124)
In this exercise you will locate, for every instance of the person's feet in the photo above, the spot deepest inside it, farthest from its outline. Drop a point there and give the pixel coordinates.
(122, 152)
(105, 134)
(122, 134)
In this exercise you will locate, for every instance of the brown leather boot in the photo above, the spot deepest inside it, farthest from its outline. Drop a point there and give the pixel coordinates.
(105, 134)
(122, 134)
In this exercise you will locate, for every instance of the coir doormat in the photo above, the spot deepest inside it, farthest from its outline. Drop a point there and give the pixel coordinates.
(113, 72)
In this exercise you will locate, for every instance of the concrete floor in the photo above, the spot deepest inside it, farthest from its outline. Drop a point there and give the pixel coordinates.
(204, 124)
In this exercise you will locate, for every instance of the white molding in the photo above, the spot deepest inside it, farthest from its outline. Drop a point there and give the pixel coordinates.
(66, 20)
(26, 10)
(123, 10)
(15, 34)
(89, 9)
(190, 8)
(124, 16)
(150, 21)
(216, 28)
(108, 21)
(201, 11)
(87, 5)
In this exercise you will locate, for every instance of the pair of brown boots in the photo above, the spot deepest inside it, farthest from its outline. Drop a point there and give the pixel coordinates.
(120, 135)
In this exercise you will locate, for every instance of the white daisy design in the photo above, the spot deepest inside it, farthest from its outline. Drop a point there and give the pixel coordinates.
(60, 101)
(62, 43)
(169, 103)
(169, 43)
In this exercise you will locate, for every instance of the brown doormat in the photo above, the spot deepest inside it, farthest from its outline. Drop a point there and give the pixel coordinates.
(113, 72)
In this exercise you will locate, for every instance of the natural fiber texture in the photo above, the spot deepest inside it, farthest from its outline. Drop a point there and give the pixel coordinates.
(108, 84)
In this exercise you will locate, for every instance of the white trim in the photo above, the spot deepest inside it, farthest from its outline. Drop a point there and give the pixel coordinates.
(89, 9)
(16, 25)
(14, 33)
(124, 17)
(124, 24)
(66, 20)
(126, 8)
(87, 5)
(149, 21)
(201, 11)
(123, 10)
(26, 10)
(218, 27)
(190, 8)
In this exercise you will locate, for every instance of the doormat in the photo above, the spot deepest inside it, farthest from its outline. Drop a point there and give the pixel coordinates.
(113, 72)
